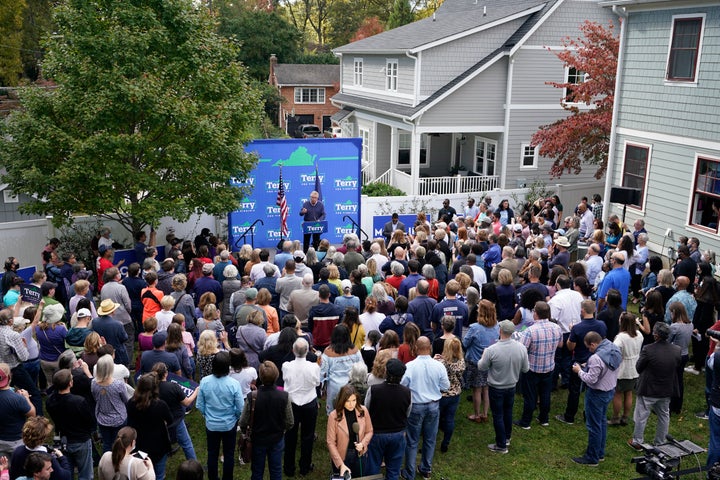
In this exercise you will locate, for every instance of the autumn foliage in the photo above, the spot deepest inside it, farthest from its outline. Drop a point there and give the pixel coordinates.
(584, 136)
(369, 27)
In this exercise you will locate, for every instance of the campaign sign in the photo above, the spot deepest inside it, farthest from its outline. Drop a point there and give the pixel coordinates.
(24, 273)
(379, 222)
(188, 386)
(30, 293)
(333, 162)
(309, 228)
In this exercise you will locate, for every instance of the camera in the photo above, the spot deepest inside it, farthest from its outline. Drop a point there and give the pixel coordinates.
(59, 443)
(655, 465)
(713, 333)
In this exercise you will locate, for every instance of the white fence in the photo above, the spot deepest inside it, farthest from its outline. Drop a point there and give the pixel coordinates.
(457, 184)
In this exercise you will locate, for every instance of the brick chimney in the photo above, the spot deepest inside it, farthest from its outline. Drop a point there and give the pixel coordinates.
(273, 62)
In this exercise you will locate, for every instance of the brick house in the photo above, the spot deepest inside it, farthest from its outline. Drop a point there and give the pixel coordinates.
(307, 90)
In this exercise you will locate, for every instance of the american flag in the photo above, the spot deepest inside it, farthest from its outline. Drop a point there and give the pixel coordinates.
(282, 203)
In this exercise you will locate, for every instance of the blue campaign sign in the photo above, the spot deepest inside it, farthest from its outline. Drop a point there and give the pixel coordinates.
(337, 163)
(379, 222)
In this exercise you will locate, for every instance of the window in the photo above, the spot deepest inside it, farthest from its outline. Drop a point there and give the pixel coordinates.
(485, 156)
(706, 194)
(574, 77)
(358, 72)
(404, 144)
(391, 75)
(365, 136)
(635, 168)
(309, 95)
(10, 197)
(684, 53)
(528, 156)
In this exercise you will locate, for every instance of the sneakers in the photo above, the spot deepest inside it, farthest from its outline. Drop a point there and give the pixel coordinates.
(614, 421)
(543, 424)
(634, 445)
(494, 448)
(518, 423)
(425, 475)
(585, 461)
(702, 415)
(561, 418)
(691, 370)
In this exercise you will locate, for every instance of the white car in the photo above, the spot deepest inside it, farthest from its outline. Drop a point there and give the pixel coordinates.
(333, 132)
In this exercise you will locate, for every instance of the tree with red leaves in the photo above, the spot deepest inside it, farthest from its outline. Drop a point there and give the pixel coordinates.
(369, 27)
(583, 136)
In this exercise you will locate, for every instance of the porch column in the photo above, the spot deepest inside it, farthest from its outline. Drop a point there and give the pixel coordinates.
(414, 162)
(393, 154)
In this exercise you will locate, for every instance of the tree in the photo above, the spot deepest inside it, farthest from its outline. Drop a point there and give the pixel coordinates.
(11, 15)
(370, 26)
(148, 120)
(401, 14)
(584, 136)
(37, 23)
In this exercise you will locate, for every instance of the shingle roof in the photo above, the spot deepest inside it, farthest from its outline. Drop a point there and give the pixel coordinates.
(304, 74)
(452, 17)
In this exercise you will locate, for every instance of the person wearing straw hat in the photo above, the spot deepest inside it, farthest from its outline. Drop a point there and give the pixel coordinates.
(111, 330)
(559, 253)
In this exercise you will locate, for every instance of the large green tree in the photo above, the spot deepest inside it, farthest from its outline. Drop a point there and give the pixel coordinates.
(37, 23)
(11, 15)
(148, 119)
(401, 14)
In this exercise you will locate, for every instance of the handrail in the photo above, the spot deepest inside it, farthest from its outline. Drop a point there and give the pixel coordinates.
(251, 230)
(359, 228)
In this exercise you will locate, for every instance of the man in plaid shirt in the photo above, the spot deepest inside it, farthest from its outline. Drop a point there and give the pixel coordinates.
(13, 352)
(541, 340)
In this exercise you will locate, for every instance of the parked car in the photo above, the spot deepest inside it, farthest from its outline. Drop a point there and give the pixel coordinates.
(333, 132)
(308, 131)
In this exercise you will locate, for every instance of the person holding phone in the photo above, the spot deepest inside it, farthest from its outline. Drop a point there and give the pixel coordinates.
(121, 459)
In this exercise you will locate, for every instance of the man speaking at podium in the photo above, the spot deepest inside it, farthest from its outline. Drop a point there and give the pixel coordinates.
(312, 211)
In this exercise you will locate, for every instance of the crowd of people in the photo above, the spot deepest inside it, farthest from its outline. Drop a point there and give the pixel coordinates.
(389, 332)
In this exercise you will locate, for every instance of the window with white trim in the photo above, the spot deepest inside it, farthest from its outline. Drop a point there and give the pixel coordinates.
(358, 72)
(706, 194)
(10, 197)
(685, 42)
(365, 137)
(309, 95)
(528, 156)
(485, 151)
(404, 146)
(391, 74)
(635, 165)
(573, 76)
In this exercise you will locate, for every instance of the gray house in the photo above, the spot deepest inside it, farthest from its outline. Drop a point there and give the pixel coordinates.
(461, 93)
(666, 135)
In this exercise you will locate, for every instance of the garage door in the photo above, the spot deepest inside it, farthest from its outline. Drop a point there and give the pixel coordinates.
(294, 122)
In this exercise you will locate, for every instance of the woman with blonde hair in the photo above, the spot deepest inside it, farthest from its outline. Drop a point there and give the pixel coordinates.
(111, 397)
(464, 280)
(452, 359)
(90, 356)
(373, 272)
(206, 299)
(334, 276)
(207, 348)
(263, 301)
(377, 374)
(210, 319)
(480, 336)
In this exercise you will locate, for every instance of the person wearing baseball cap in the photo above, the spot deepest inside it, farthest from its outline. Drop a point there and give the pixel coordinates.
(159, 355)
(76, 336)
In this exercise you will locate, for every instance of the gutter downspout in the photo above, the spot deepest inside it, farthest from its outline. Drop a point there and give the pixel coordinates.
(506, 133)
(416, 83)
(414, 144)
(622, 15)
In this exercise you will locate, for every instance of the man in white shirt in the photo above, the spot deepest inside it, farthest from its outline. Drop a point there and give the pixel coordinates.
(587, 226)
(593, 263)
(286, 285)
(301, 379)
(566, 310)
(257, 271)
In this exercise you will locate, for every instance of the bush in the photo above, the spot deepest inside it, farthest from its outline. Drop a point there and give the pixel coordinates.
(381, 190)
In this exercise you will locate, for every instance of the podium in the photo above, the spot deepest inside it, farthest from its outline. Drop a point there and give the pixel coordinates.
(315, 228)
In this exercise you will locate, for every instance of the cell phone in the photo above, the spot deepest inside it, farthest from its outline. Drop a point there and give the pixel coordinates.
(141, 455)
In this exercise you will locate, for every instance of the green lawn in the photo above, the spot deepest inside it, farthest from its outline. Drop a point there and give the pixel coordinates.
(538, 453)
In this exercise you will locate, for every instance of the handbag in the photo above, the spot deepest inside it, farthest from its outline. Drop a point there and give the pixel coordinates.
(245, 443)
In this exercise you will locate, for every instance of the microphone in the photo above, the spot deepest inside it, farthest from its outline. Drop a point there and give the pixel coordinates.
(672, 440)
(356, 431)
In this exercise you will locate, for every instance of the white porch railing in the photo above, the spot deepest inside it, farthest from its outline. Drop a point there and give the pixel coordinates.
(457, 184)
(401, 180)
(384, 178)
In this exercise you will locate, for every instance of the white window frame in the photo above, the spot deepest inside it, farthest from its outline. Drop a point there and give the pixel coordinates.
(424, 145)
(681, 81)
(639, 208)
(695, 188)
(524, 154)
(10, 197)
(319, 95)
(364, 134)
(358, 72)
(579, 78)
(486, 141)
(391, 74)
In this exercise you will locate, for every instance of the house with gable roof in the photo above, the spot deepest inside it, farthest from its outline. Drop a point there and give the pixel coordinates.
(448, 104)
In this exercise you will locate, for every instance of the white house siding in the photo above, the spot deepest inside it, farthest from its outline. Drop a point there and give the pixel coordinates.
(374, 77)
(382, 138)
(648, 100)
(445, 62)
(533, 68)
(566, 22)
(478, 102)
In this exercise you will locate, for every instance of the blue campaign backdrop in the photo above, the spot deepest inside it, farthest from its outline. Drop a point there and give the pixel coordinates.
(379, 222)
(338, 165)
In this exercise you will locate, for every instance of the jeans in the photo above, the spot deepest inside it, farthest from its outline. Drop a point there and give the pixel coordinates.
(184, 440)
(159, 466)
(273, 453)
(448, 407)
(305, 418)
(391, 448)
(563, 363)
(424, 418)
(48, 369)
(108, 435)
(677, 402)
(643, 407)
(596, 405)
(714, 445)
(130, 344)
(573, 398)
(501, 405)
(80, 456)
(228, 440)
(534, 383)
(306, 240)
(21, 378)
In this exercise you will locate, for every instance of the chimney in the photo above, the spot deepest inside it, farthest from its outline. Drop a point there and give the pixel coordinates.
(273, 63)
